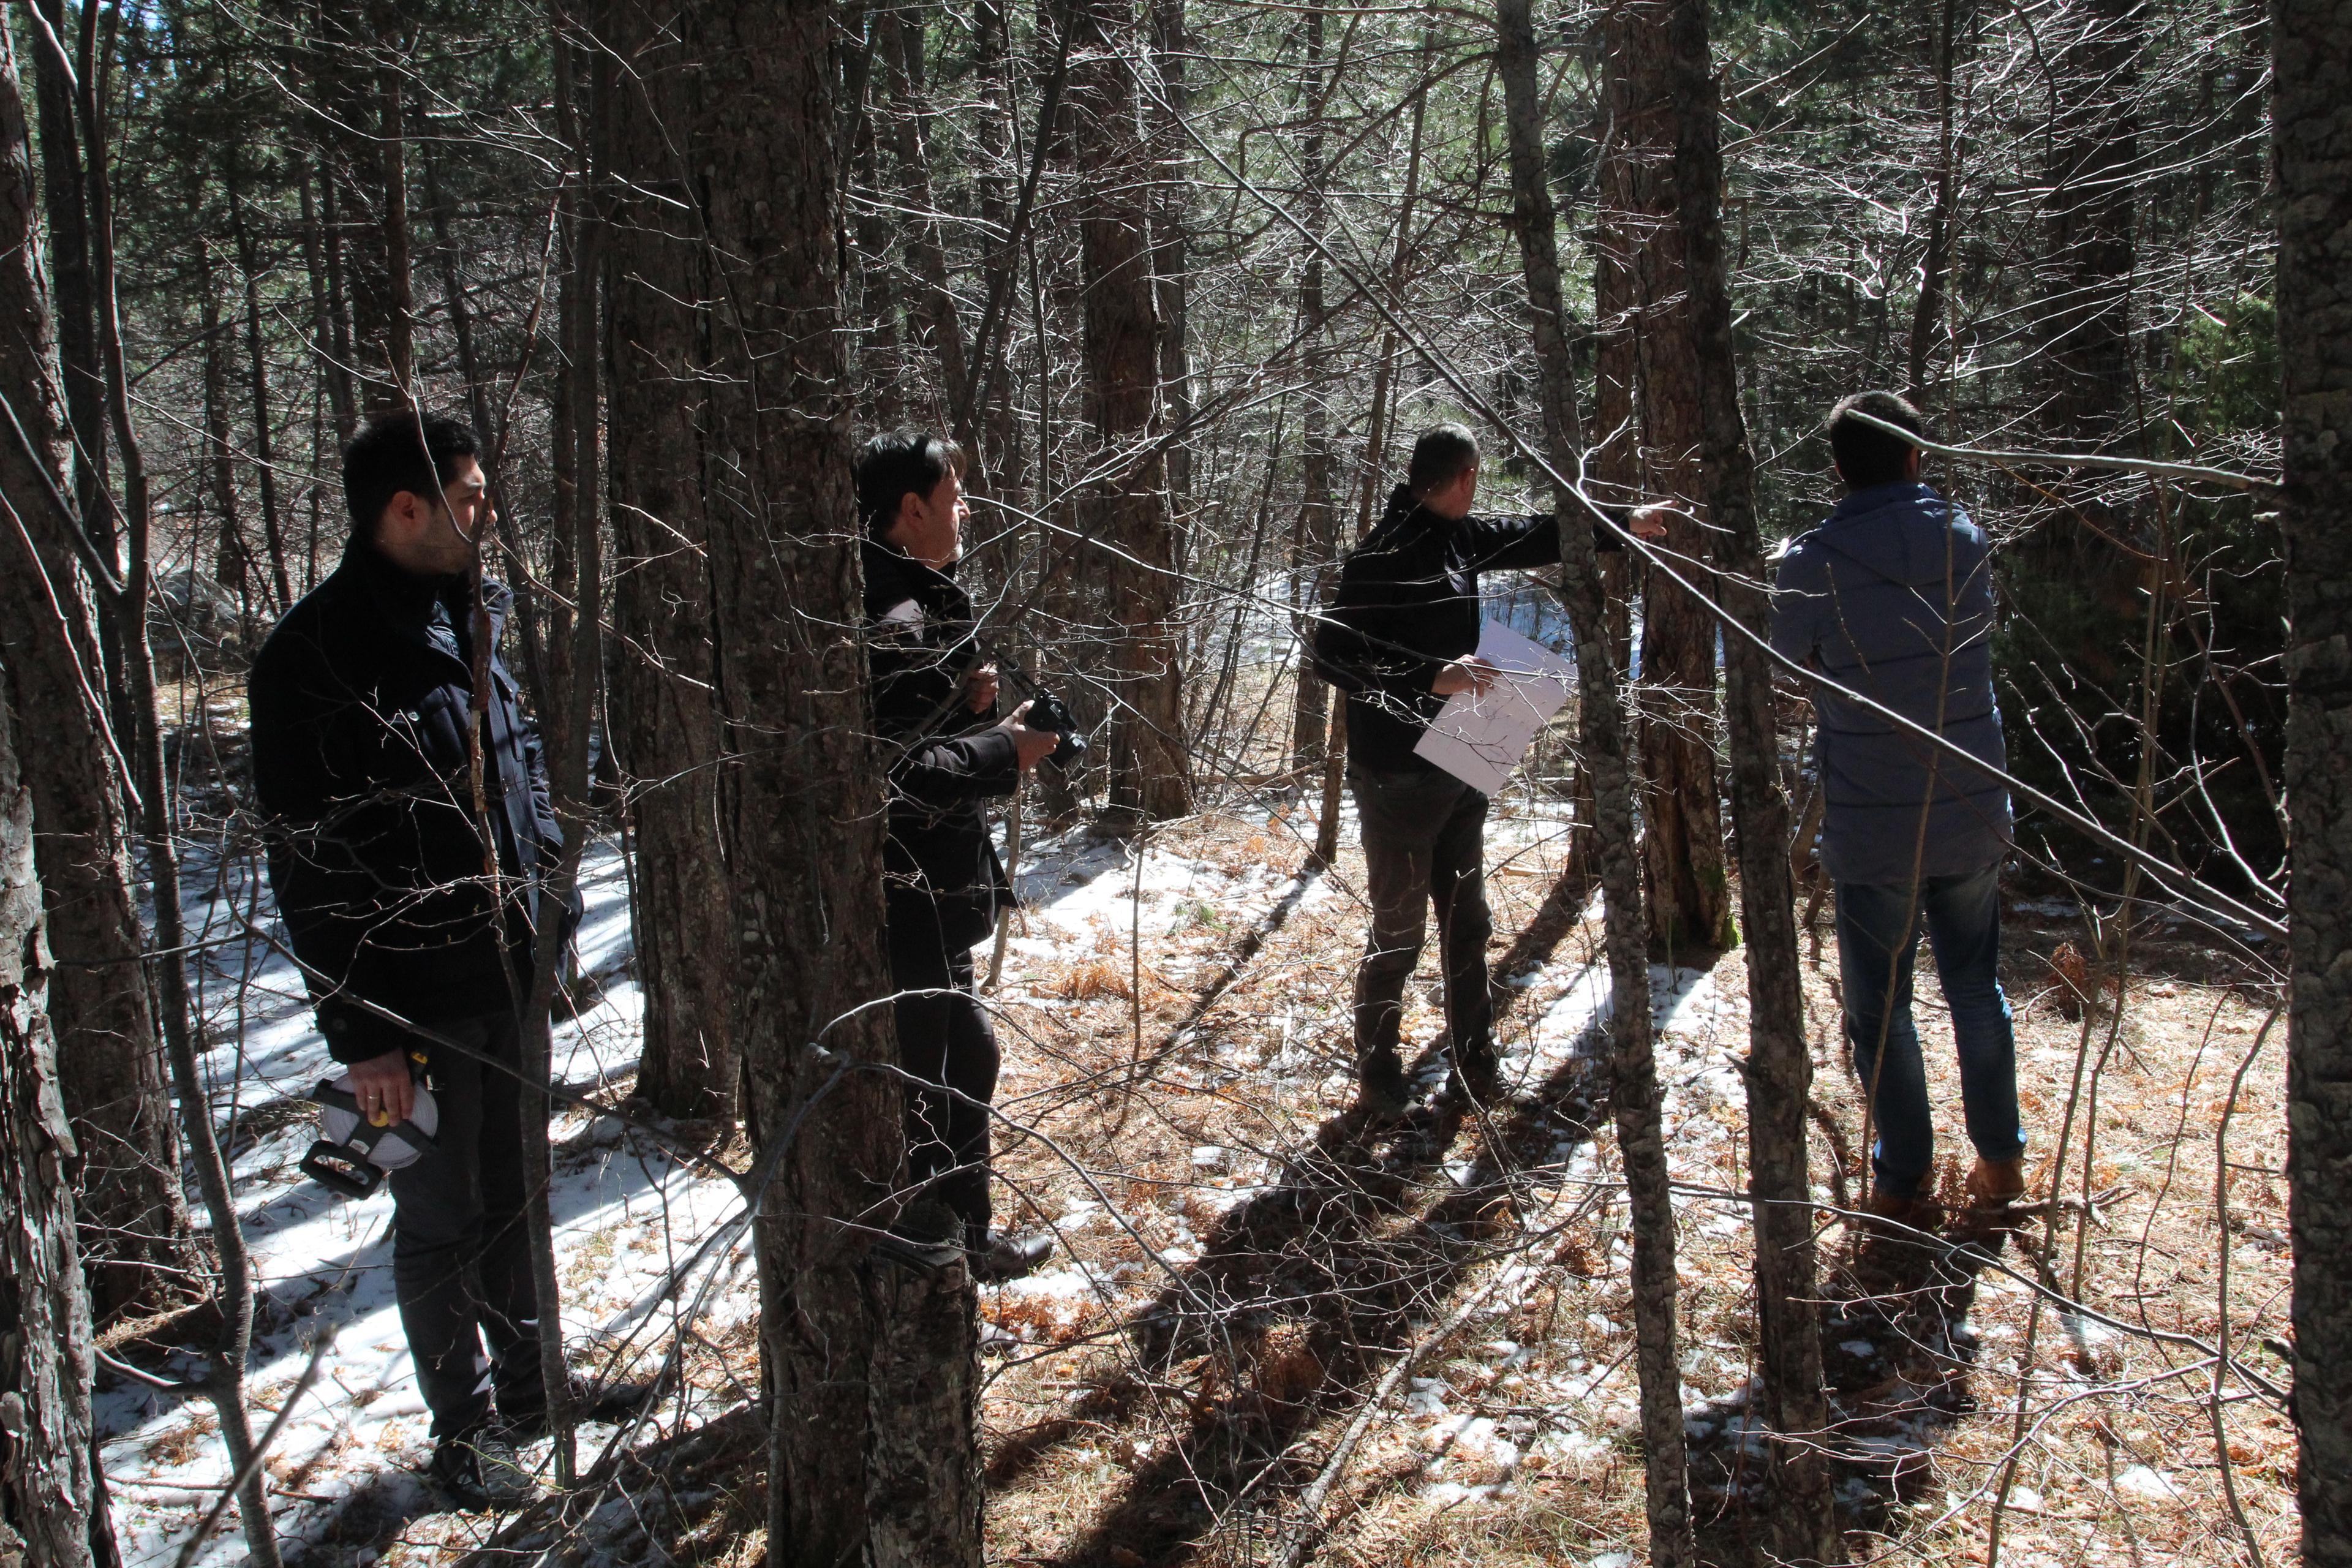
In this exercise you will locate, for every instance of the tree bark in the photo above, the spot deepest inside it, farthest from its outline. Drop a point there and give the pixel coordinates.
(666, 728)
(265, 461)
(901, 45)
(1315, 536)
(870, 1374)
(1801, 1523)
(48, 1481)
(1633, 1078)
(1934, 265)
(231, 555)
(1170, 251)
(1682, 841)
(1151, 775)
(2311, 42)
(77, 326)
(136, 1235)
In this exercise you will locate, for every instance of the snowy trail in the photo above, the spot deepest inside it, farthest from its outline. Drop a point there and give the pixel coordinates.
(628, 1218)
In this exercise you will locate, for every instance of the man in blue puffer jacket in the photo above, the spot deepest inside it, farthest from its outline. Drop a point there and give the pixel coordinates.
(1891, 598)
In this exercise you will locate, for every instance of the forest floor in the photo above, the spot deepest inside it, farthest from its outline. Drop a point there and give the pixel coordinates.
(1257, 1300)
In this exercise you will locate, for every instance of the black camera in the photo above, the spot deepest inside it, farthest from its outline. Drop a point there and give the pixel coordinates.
(1049, 713)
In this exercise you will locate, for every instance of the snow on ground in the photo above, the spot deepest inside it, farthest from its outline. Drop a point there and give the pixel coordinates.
(632, 1222)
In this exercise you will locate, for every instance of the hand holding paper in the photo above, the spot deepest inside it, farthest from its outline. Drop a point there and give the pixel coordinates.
(1479, 737)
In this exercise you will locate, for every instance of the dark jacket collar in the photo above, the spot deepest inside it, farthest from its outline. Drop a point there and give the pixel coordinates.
(893, 577)
(406, 602)
(1877, 497)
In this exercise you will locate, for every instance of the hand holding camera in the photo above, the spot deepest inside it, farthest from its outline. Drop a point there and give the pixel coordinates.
(1034, 744)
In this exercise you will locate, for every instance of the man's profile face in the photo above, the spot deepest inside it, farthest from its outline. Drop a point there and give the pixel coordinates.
(438, 540)
(930, 527)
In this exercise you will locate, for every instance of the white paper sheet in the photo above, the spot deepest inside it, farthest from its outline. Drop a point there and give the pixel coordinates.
(1480, 738)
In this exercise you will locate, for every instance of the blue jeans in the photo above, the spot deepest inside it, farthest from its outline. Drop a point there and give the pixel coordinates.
(1878, 934)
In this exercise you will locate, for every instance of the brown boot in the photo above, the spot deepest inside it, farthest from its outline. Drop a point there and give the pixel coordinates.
(1996, 1184)
(1994, 1188)
(1898, 1242)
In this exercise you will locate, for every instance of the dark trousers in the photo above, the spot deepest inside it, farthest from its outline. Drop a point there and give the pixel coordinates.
(460, 1254)
(1878, 937)
(945, 1041)
(1424, 847)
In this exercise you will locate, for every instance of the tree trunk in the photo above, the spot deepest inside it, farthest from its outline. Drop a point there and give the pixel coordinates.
(1934, 265)
(2311, 59)
(901, 45)
(1127, 509)
(231, 556)
(1682, 840)
(1317, 533)
(870, 1374)
(1801, 1522)
(265, 461)
(47, 1483)
(330, 334)
(135, 1221)
(665, 727)
(1633, 1078)
(1170, 253)
(77, 323)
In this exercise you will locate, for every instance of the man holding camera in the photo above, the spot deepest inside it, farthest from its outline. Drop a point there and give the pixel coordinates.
(948, 755)
(363, 701)
(1402, 636)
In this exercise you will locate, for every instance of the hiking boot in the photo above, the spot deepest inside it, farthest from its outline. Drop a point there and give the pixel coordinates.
(927, 1238)
(1382, 1092)
(612, 1400)
(1901, 1216)
(1996, 1184)
(1897, 1241)
(1001, 1255)
(1994, 1188)
(1473, 1070)
(482, 1473)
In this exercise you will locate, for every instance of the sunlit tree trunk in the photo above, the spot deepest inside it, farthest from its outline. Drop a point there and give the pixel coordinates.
(870, 1372)
(109, 1060)
(1682, 839)
(1800, 1521)
(1150, 776)
(48, 1492)
(665, 727)
(1634, 1098)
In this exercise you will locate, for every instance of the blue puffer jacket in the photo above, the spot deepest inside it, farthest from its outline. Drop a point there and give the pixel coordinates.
(1892, 596)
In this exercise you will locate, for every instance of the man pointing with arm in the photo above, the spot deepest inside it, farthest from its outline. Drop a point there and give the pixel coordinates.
(1400, 639)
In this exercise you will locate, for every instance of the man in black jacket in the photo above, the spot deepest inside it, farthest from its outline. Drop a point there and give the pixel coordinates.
(1402, 636)
(399, 912)
(948, 755)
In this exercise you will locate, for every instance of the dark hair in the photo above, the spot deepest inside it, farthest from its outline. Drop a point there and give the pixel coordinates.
(1441, 453)
(400, 453)
(898, 464)
(1865, 454)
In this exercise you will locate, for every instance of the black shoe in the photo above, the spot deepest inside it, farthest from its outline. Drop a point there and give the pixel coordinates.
(1475, 1071)
(927, 1238)
(1383, 1095)
(482, 1473)
(613, 1400)
(1001, 1256)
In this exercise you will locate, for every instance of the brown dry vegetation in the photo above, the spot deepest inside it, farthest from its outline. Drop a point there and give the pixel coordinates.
(1242, 1266)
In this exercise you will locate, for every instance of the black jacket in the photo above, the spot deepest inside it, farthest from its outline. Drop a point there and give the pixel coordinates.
(941, 870)
(1407, 606)
(360, 700)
